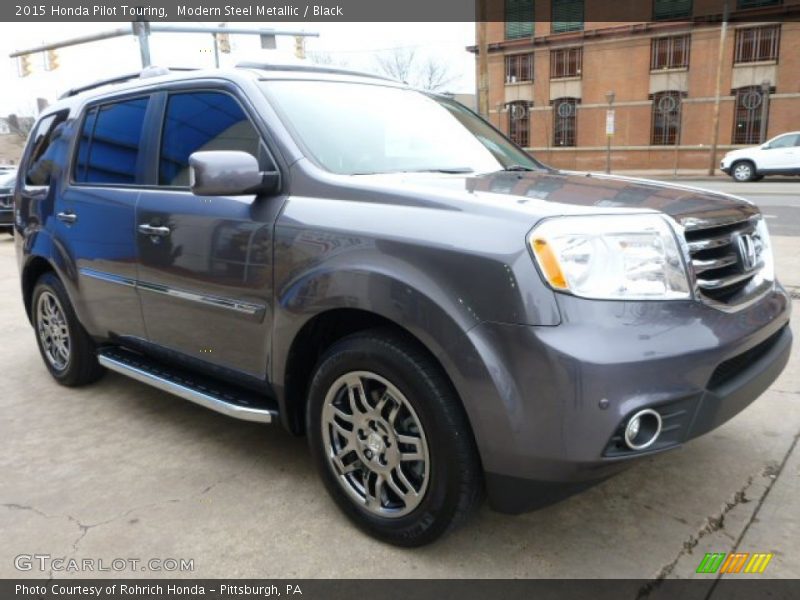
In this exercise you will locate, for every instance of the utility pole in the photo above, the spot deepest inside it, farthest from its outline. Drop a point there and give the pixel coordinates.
(483, 62)
(723, 34)
(765, 85)
(610, 127)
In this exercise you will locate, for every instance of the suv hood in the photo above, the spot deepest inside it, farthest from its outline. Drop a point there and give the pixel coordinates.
(551, 193)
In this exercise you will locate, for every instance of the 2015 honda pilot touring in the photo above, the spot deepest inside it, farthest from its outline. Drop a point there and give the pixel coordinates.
(383, 271)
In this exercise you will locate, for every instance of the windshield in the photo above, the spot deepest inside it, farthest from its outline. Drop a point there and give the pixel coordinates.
(361, 129)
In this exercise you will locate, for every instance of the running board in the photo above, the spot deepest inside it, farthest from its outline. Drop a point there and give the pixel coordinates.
(205, 391)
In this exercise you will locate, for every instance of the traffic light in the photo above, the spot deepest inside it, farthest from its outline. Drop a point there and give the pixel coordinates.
(24, 65)
(224, 42)
(51, 60)
(300, 46)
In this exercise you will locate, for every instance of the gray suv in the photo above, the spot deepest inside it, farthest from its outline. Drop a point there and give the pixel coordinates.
(383, 271)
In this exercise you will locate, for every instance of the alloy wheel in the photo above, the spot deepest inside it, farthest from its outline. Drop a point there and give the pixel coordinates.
(375, 444)
(53, 331)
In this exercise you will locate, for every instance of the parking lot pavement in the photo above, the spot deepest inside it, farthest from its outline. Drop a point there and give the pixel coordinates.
(121, 470)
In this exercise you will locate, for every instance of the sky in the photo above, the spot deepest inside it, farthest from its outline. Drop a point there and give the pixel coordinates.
(351, 45)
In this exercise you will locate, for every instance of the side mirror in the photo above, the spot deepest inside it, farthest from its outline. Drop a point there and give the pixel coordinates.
(765, 146)
(229, 173)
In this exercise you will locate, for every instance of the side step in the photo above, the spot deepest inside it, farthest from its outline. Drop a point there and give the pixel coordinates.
(205, 391)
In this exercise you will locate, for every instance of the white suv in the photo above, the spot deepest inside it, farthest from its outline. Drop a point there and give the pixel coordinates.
(778, 156)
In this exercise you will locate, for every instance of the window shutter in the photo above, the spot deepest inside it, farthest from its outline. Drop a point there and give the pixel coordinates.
(519, 19)
(672, 9)
(567, 15)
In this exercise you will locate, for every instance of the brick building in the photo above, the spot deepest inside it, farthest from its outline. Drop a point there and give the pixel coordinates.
(552, 64)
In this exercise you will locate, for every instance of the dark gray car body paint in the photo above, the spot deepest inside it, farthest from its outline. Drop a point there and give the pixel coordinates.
(443, 256)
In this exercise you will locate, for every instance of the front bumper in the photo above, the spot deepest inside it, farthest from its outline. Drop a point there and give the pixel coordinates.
(6, 217)
(564, 392)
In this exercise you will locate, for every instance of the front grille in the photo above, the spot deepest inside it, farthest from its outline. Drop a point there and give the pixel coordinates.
(736, 365)
(716, 259)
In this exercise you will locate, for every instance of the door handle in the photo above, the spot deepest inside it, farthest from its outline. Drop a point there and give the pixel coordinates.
(67, 217)
(154, 230)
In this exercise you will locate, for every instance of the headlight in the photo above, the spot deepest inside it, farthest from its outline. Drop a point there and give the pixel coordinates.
(624, 257)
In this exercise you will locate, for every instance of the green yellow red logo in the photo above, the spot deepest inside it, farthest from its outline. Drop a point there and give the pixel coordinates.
(736, 562)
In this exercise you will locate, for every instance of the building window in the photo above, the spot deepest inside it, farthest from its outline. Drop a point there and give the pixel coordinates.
(518, 122)
(519, 19)
(664, 10)
(519, 67)
(747, 115)
(756, 3)
(666, 118)
(756, 44)
(566, 62)
(565, 121)
(670, 52)
(567, 15)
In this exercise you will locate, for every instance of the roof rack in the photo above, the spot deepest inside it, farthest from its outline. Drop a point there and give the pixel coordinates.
(151, 71)
(308, 69)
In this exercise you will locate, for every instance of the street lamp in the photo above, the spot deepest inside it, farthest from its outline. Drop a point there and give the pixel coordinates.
(610, 96)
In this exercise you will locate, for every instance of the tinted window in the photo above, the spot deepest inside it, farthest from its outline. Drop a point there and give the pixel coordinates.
(201, 121)
(108, 149)
(40, 163)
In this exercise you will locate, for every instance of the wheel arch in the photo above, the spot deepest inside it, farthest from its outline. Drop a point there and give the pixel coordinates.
(33, 270)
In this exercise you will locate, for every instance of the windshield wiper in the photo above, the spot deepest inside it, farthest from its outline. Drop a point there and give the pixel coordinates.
(452, 170)
(518, 168)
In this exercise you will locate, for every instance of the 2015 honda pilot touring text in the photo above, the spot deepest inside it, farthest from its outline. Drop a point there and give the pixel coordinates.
(381, 270)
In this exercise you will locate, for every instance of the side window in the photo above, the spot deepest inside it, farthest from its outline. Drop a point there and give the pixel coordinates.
(200, 121)
(41, 162)
(786, 141)
(108, 148)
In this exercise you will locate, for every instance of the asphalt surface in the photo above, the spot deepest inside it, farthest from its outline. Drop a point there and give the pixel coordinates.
(121, 470)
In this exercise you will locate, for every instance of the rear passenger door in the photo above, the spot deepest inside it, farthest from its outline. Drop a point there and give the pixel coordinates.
(205, 279)
(96, 214)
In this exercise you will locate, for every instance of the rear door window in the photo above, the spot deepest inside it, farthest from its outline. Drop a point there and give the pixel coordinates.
(197, 121)
(110, 140)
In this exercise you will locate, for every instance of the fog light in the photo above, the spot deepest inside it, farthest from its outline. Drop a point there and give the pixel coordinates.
(642, 429)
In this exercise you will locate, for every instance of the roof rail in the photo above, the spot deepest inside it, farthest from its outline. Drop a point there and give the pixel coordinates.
(308, 69)
(151, 71)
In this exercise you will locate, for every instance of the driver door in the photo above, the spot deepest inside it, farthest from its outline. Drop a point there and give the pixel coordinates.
(205, 263)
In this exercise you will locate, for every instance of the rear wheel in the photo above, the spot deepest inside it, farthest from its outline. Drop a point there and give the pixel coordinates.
(67, 350)
(391, 440)
(743, 171)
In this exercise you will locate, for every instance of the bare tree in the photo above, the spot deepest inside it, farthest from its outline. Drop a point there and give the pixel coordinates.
(397, 64)
(404, 65)
(326, 59)
(434, 75)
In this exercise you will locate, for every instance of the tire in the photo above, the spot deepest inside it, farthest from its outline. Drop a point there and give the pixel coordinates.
(67, 350)
(418, 442)
(742, 171)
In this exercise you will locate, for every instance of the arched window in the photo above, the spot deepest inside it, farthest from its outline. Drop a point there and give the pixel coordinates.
(565, 120)
(747, 115)
(519, 122)
(666, 118)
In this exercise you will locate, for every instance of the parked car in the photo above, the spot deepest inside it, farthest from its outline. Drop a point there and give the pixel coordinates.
(8, 178)
(778, 156)
(383, 271)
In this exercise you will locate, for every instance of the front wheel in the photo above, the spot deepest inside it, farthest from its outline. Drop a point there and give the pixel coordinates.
(391, 440)
(743, 171)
